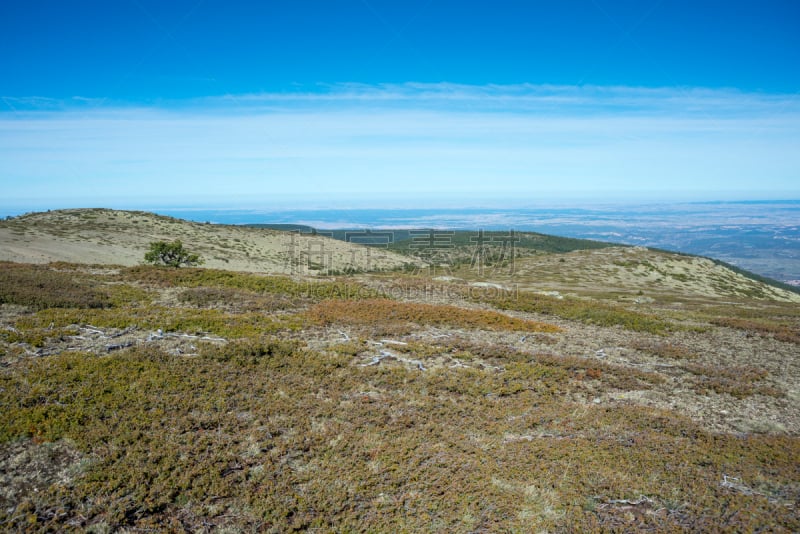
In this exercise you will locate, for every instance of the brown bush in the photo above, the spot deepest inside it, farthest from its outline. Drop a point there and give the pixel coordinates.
(41, 287)
(382, 311)
(781, 332)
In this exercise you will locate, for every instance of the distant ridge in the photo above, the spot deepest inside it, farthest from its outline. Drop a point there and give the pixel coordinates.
(548, 261)
(539, 262)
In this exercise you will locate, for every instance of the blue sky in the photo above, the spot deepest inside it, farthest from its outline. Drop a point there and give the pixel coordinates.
(138, 103)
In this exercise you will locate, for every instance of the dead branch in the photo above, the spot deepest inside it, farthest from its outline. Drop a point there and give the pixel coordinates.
(92, 329)
(735, 483)
(190, 336)
(388, 354)
(124, 332)
(627, 502)
(119, 346)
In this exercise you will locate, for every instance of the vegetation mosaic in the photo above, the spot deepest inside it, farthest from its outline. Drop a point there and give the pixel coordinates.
(159, 399)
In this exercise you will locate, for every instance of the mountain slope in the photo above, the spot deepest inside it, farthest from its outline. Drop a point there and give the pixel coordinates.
(200, 399)
(638, 272)
(106, 236)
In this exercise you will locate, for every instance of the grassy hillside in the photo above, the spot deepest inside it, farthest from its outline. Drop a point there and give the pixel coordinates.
(534, 261)
(568, 388)
(196, 399)
(122, 237)
(738, 270)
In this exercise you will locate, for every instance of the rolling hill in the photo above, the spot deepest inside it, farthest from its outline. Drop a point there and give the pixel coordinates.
(593, 389)
(106, 236)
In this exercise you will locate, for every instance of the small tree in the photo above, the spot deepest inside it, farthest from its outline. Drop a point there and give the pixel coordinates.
(172, 254)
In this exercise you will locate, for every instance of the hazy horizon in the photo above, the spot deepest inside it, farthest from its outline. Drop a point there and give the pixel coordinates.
(761, 236)
(374, 103)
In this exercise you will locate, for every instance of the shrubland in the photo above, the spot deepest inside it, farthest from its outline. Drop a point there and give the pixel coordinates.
(278, 414)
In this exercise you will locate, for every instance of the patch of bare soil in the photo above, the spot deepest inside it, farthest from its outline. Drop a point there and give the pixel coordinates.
(27, 467)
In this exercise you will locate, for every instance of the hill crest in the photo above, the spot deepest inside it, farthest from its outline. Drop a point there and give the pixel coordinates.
(105, 236)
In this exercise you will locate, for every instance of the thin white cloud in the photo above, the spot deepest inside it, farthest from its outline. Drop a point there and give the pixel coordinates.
(430, 139)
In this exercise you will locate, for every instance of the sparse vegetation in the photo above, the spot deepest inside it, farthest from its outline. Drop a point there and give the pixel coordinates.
(375, 311)
(41, 287)
(584, 310)
(780, 331)
(152, 398)
(737, 381)
(667, 350)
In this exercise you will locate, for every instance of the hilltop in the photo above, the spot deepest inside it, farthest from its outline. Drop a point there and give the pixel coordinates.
(105, 236)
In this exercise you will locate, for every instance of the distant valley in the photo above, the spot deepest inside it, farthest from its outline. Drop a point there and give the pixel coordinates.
(763, 237)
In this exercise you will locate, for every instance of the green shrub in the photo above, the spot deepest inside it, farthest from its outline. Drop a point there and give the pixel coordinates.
(256, 283)
(171, 254)
(586, 311)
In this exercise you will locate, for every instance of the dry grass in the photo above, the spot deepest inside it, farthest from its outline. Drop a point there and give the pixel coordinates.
(41, 287)
(276, 429)
(377, 311)
(780, 331)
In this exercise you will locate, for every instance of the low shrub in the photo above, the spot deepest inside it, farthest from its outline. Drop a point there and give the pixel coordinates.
(256, 283)
(188, 320)
(780, 331)
(376, 311)
(669, 350)
(41, 287)
(737, 381)
(586, 311)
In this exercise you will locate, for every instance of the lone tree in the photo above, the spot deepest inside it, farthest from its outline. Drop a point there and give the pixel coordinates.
(172, 254)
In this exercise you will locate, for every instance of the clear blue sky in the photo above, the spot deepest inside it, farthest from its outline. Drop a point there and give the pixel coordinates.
(141, 102)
